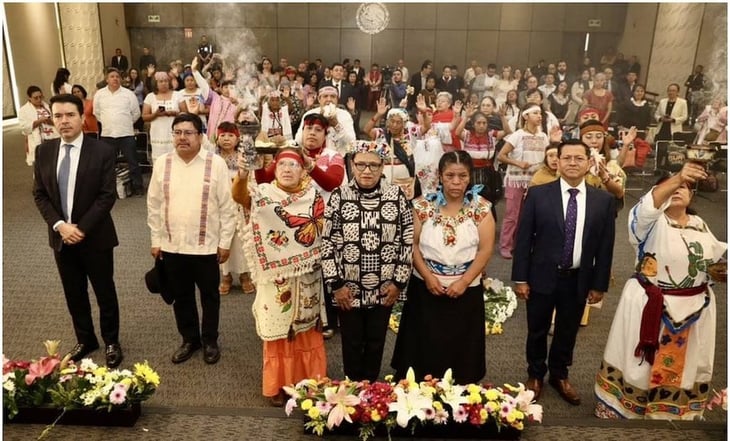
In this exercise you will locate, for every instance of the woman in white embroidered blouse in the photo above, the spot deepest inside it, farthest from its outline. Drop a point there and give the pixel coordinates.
(159, 109)
(442, 324)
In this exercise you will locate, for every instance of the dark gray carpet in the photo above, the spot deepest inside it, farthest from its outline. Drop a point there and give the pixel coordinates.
(224, 401)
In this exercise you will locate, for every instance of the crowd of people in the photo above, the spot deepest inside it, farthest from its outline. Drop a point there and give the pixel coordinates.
(341, 223)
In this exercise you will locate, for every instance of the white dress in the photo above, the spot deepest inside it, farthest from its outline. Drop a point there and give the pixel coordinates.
(676, 386)
(161, 127)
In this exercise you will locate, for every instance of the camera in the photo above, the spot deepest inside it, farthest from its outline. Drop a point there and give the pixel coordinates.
(387, 72)
(161, 108)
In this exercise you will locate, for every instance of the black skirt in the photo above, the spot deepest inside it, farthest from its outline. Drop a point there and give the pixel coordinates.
(438, 332)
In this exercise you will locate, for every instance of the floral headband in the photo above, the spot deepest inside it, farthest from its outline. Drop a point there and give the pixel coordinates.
(382, 149)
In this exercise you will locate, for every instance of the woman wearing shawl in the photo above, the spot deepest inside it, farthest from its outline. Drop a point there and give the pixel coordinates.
(282, 245)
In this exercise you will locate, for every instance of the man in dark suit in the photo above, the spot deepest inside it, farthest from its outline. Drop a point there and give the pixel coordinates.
(120, 61)
(446, 83)
(345, 89)
(418, 82)
(75, 190)
(562, 258)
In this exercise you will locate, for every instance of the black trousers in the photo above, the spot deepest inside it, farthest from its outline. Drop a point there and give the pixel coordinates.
(128, 147)
(185, 272)
(78, 265)
(569, 308)
(363, 340)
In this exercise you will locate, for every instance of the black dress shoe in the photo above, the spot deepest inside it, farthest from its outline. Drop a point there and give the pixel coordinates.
(114, 355)
(184, 352)
(211, 353)
(81, 350)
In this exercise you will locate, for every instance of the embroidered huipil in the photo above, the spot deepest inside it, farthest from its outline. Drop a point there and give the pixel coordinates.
(449, 244)
(367, 241)
(189, 205)
(530, 148)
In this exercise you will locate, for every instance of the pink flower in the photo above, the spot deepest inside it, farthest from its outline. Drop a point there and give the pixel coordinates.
(441, 417)
(118, 395)
(290, 405)
(40, 369)
(341, 399)
(460, 415)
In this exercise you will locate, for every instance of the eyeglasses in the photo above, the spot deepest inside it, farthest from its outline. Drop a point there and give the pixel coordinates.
(577, 159)
(361, 166)
(293, 165)
(185, 133)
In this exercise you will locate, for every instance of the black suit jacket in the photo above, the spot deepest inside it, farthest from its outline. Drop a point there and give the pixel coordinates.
(346, 91)
(122, 64)
(416, 84)
(540, 237)
(94, 193)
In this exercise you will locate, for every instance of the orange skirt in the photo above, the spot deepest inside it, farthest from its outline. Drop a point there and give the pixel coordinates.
(289, 362)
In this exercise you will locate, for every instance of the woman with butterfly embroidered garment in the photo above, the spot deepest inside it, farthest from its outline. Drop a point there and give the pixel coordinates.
(658, 360)
(442, 323)
(366, 258)
(282, 245)
(325, 168)
(400, 135)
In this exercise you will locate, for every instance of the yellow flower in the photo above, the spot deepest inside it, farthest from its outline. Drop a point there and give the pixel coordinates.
(474, 398)
(100, 371)
(375, 415)
(313, 413)
(389, 378)
(497, 328)
(491, 406)
(127, 382)
(306, 404)
(519, 426)
(145, 371)
(473, 389)
(52, 346)
(350, 410)
(437, 405)
(492, 395)
(483, 415)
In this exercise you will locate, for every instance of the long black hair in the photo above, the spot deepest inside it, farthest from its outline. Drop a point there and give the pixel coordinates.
(62, 75)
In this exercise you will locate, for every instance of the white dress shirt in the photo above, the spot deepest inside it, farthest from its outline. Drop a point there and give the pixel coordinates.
(75, 153)
(175, 221)
(117, 111)
(580, 200)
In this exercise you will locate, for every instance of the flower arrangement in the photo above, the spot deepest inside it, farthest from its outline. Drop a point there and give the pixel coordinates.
(500, 302)
(60, 383)
(328, 403)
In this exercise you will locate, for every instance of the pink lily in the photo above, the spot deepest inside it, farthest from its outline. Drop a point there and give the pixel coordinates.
(341, 399)
(41, 368)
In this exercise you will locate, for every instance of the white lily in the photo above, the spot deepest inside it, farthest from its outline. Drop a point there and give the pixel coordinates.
(409, 404)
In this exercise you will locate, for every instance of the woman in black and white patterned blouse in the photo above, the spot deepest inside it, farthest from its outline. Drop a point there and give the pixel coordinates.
(366, 258)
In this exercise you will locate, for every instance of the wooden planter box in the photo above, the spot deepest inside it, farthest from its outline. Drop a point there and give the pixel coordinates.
(126, 417)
